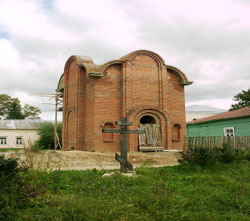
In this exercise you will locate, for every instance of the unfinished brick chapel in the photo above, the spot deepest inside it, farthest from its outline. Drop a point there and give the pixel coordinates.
(139, 86)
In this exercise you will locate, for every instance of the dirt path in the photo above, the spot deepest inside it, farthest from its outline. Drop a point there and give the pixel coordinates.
(83, 160)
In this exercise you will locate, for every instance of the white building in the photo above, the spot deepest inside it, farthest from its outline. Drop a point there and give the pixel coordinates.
(196, 112)
(18, 133)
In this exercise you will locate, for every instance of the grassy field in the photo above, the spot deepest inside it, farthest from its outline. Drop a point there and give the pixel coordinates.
(183, 192)
(10, 149)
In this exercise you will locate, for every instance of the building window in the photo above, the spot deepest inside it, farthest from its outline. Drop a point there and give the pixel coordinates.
(3, 140)
(176, 132)
(108, 137)
(228, 131)
(19, 140)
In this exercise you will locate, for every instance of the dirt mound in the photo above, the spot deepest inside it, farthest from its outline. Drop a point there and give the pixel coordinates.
(83, 160)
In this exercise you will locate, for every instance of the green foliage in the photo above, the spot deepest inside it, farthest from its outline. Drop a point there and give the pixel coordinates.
(14, 111)
(199, 156)
(8, 167)
(46, 139)
(226, 154)
(5, 101)
(242, 99)
(204, 156)
(18, 189)
(10, 149)
(31, 112)
(36, 147)
(11, 108)
(166, 193)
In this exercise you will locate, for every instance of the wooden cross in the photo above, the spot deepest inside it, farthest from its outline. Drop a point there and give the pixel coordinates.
(124, 164)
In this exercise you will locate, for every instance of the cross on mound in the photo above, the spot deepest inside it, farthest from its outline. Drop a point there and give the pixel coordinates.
(124, 164)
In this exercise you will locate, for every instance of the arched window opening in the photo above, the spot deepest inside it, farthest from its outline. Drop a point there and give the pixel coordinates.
(147, 120)
(176, 132)
(108, 137)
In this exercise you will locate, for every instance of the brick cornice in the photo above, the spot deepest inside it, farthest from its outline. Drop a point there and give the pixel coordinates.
(138, 109)
(182, 77)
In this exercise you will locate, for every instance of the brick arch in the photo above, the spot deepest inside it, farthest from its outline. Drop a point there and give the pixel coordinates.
(176, 136)
(152, 54)
(181, 76)
(71, 128)
(108, 137)
(150, 113)
(161, 118)
(105, 66)
(136, 110)
(80, 61)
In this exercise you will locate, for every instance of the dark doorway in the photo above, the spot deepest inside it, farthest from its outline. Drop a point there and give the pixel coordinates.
(147, 120)
(151, 140)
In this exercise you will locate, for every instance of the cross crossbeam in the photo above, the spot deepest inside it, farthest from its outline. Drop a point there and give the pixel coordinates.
(124, 164)
(123, 131)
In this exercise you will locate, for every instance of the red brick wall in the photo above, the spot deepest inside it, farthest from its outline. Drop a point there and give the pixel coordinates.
(176, 107)
(70, 107)
(89, 116)
(107, 106)
(144, 94)
(142, 82)
(134, 88)
(71, 131)
(81, 110)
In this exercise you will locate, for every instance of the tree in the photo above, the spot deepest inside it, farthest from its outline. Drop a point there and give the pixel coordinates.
(5, 101)
(46, 138)
(243, 100)
(11, 108)
(31, 112)
(15, 110)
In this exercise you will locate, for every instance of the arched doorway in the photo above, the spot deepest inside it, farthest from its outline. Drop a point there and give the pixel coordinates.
(147, 120)
(151, 140)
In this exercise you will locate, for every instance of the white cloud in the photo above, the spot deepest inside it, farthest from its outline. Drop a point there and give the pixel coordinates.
(8, 54)
(207, 40)
(212, 12)
(109, 23)
(25, 19)
(219, 103)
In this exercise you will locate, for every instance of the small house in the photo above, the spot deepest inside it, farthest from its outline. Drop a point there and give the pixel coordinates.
(18, 133)
(232, 123)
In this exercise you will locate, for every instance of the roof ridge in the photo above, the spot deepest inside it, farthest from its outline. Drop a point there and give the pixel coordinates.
(242, 112)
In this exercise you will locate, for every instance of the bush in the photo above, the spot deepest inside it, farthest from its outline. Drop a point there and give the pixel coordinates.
(46, 139)
(199, 156)
(18, 187)
(8, 167)
(204, 156)
(226, 154)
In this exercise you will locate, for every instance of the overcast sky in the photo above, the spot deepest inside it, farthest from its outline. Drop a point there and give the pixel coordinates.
(208, 40)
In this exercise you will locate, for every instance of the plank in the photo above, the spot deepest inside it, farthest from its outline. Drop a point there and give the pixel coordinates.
(123, 162)
(121, 123)
(123, 131)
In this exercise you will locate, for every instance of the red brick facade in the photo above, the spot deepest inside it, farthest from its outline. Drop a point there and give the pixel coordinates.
(137, 85)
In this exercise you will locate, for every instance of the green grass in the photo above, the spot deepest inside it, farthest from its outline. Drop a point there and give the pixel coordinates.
(182, 192)
(10, 149)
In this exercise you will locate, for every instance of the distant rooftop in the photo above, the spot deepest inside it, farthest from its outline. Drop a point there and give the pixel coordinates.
(21, 124)
(243, 112)
(201, 108)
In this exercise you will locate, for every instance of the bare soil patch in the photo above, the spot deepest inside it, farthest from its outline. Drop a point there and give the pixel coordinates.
(84, 160)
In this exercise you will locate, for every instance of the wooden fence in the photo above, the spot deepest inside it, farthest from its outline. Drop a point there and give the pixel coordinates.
(238, 142)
